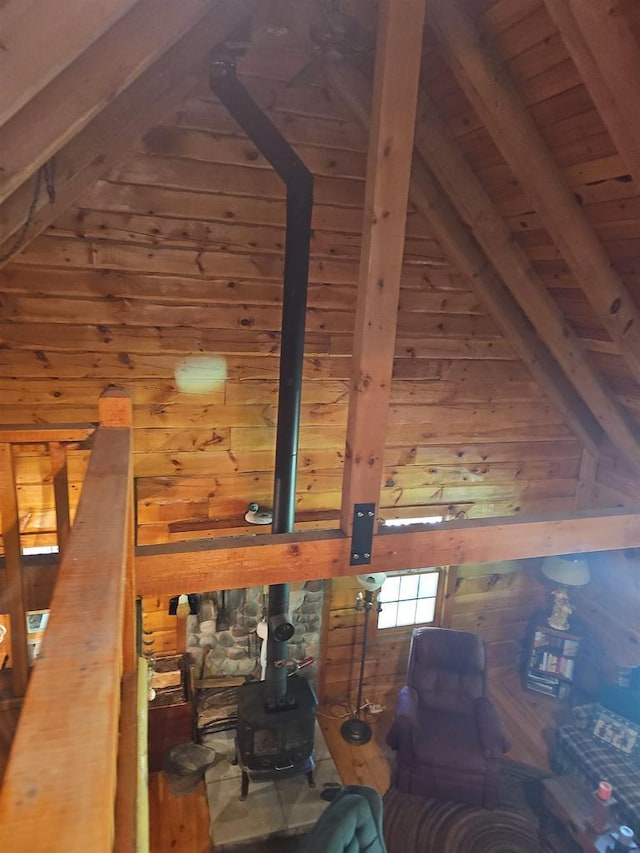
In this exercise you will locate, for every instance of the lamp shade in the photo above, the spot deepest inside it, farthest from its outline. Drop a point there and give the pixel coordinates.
(373, 581)
(568, 570)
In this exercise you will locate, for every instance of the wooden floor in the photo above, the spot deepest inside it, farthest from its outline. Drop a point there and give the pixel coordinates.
(181, 824)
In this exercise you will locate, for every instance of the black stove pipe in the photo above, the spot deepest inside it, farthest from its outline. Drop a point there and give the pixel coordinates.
(299, 183)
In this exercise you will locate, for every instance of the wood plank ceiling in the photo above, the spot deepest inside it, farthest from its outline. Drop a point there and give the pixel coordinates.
(516, 332)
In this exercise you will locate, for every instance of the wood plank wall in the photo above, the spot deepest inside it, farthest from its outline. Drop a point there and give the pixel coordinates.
(494, 601)
(611, 602)
(178, 251)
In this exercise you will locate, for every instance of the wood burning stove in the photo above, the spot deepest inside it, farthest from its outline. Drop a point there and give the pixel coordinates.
(275, 737)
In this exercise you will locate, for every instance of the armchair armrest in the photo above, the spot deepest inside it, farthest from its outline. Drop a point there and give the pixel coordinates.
(400, 735)
(493, 736)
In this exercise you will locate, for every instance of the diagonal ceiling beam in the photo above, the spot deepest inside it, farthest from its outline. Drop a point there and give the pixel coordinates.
(400, 29)
(440, 151)
(69, 102)
(111, 133)
(495, 98)
(428, 198)
(38, 42)
(605, 52)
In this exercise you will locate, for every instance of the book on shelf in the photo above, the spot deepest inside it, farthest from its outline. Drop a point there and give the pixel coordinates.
(570, 648)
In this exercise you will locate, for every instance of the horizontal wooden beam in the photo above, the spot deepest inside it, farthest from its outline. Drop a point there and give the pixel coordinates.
(62, 786)
(242, 561)
(39, 434)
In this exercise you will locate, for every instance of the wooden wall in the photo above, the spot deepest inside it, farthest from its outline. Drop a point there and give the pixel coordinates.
(178, 252)
(611, 602)
(494, 601)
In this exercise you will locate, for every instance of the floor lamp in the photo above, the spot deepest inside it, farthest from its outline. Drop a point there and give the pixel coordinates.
(355, 730)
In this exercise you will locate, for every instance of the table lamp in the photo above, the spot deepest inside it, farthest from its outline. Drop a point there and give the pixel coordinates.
(568, 570)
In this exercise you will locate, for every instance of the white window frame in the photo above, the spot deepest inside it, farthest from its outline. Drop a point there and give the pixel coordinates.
(438, 598)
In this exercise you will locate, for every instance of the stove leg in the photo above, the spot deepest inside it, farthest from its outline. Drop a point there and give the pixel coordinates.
(244, 790)
(310, 779)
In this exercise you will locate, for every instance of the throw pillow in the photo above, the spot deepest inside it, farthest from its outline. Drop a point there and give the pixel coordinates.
(616, 731)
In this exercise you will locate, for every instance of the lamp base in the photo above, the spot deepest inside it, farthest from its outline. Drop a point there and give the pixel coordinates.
(559, 618)
(356, 732)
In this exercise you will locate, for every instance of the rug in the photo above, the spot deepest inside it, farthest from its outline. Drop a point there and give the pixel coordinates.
(416, 825)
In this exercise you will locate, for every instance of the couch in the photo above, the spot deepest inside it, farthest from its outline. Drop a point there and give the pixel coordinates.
(598, 745)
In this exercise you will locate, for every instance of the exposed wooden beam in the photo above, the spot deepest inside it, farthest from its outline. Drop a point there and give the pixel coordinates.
(225, 563)
(442, 154)
(38, 582)
(395, 92)
(115, 410)
(453, 234)
(64, 107)
(68, 794)
(587, 475)
(39, 434)
(126, 831)
(494, 96)
(10, 517)
(112, 132)
(60, 478)
(39, 41)
(607, 55)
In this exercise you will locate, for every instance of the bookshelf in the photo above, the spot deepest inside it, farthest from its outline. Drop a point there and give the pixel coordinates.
(551, 663)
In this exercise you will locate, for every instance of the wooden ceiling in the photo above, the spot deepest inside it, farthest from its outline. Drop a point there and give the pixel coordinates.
(518, 301)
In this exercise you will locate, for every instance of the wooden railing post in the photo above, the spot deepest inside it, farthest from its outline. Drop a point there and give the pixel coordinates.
(60, 476)
(59, 790)
(114, 410)
(13, 562)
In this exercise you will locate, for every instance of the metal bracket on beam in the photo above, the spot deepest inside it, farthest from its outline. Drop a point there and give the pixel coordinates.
(364, 516)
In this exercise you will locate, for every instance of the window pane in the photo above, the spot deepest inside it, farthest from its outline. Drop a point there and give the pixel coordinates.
(390, 589)
(409, 587)
(425, 610)
(387, 616)
(429, 584)
(406, 613)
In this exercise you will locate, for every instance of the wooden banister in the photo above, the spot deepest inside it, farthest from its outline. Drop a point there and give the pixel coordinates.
(59, 790)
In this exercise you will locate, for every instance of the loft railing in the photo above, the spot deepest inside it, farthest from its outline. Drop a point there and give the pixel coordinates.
(74, 778)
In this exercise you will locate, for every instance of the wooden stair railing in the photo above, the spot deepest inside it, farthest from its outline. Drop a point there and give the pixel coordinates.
(75, 753)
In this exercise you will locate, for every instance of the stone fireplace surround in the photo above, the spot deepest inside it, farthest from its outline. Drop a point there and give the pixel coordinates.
(236, 650)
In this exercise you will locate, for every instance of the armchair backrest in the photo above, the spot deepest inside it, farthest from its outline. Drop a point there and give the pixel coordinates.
(447, 668)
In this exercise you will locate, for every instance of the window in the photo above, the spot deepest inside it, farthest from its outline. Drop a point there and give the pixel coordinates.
(409, 599)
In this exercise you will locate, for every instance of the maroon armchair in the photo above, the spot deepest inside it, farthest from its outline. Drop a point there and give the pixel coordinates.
(447, 734)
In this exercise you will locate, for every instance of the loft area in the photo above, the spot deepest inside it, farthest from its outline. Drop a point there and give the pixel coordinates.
(222, 406)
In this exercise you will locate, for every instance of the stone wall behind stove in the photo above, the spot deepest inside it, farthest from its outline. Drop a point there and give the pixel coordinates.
(235, 650)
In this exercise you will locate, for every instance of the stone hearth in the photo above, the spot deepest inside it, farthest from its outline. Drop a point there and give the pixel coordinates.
(287, 807)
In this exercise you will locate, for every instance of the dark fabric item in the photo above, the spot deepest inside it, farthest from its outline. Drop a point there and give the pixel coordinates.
(352, 823)
(447, 734)
(413, 824)
(579, 753)
(622, 700)
(493, 736)
(449, 740)
(447, 668)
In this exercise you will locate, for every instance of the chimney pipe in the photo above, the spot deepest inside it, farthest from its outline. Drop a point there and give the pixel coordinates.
(299, 184)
